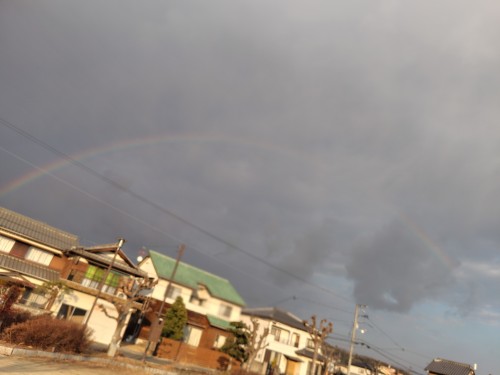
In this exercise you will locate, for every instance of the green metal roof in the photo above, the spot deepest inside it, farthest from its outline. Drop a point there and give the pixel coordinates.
(219, 323)
(191, 277)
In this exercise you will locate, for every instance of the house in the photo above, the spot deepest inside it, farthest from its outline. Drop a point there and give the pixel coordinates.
(33, 253)
(358, 367)
(211, 301)
(96, 276)
(289, 344)
(440, 366)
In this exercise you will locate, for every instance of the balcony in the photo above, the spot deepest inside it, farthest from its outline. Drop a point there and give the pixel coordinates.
(89, 283)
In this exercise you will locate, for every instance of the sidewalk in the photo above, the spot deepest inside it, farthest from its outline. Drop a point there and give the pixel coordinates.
(129, 358)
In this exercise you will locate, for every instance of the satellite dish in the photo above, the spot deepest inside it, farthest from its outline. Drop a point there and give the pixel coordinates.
(140, 258)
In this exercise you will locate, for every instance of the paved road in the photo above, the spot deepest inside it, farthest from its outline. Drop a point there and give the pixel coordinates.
(45, 366)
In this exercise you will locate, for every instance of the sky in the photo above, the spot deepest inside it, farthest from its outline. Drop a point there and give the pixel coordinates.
(318, 154)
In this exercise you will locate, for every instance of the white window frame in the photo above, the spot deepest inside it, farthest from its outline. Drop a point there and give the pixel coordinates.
(219, 341)
(6, 244)
(37, 255)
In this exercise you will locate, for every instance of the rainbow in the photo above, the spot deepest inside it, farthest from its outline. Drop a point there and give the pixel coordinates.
(131, 143)
(438, 252)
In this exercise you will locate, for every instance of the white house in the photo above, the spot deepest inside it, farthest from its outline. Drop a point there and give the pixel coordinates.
(289, 345)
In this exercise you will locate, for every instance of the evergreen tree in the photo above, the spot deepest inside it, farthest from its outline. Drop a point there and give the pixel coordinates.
(175, 320)
(237, 345)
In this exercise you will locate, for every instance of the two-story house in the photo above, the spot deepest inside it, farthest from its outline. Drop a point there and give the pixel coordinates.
(288, 344)
(33, 253)
(211, 301)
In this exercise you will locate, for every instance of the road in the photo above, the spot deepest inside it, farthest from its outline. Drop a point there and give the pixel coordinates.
(46, 366)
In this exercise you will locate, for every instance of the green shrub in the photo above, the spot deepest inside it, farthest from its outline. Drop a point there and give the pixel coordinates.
(47, 333)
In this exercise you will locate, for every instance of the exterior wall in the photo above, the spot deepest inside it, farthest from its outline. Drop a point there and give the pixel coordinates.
(286, 349)
(209, 336)
(102, 326)
(210, 307)
(184, 353)
(20, 249)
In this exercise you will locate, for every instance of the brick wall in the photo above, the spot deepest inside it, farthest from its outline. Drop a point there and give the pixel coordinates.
(183, 353)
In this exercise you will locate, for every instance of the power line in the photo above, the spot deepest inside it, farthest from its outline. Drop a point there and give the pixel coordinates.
(157, 206)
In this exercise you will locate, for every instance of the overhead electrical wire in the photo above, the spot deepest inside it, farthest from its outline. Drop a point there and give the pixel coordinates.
(157, 206)
(168, 212)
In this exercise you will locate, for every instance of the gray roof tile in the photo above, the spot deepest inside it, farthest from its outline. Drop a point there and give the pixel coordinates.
(446, 367)
(272, 313)
(27, 268)
(36, 230)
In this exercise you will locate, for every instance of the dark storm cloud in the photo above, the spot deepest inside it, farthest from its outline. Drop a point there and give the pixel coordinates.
(396, 269)
(307, 128)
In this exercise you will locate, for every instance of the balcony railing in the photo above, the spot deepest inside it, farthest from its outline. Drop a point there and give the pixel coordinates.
(81, 281)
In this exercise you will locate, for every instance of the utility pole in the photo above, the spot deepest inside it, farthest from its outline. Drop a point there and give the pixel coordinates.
(121, 241)
(156, 324)
(353, 337)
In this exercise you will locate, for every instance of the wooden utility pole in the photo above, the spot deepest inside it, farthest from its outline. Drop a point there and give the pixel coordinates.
(155, 331)
(121, 241)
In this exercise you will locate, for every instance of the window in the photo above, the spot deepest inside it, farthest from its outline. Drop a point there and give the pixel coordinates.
(33, 299)
(72, 313)
(310, 343)
(6, 244)
(192, 335)
(174, 292)
(94, 276)
(225, 311)
(219, 341)
(295, 340)
(39, 256)
(280, 335)
(196, 301)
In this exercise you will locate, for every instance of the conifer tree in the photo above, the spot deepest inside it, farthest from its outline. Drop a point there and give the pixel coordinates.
(236, 346)
(175, 320)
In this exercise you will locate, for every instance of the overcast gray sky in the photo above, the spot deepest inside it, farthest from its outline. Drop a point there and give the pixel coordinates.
(340, 152)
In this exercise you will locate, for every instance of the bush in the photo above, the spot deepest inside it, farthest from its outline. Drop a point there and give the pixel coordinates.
(45, 332)
(13, 316)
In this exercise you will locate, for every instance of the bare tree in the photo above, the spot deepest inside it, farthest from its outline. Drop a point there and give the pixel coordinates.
(51, 290)
(256, 341)
(132, 289)
(329, 354)
(318, 336)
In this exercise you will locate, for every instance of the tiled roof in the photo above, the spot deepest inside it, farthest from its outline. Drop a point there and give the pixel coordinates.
(272, 313)
(36, 230)
(191, 277)
(27, 268)
(118, 264)
(446, 367)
